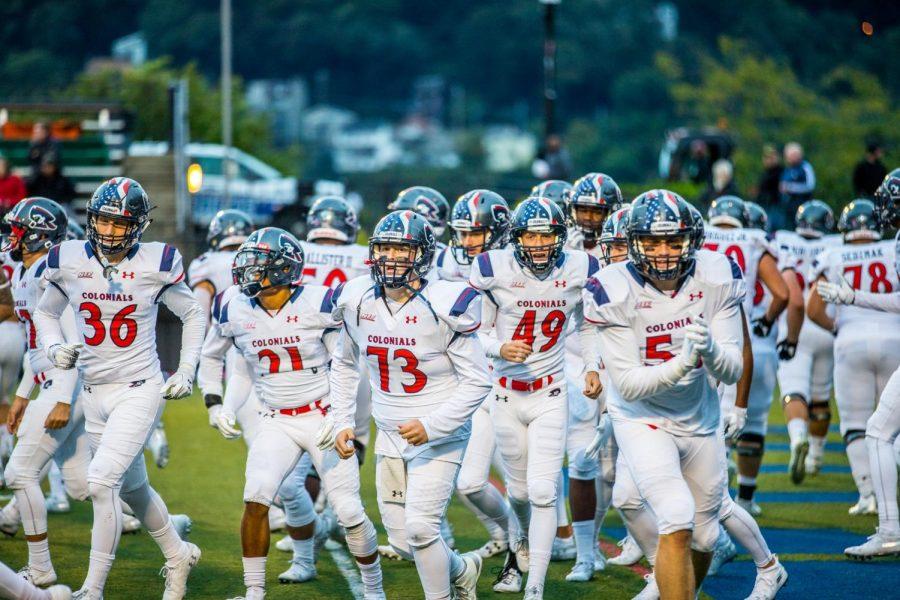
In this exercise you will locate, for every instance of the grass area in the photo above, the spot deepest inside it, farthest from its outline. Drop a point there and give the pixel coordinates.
(205, 479)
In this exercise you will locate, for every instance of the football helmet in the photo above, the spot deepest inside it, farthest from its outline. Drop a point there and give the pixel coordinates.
(858, 221)
(615, 231)
(33, 224)
(814, 219)
(597, 191)
(332, 218)
(426, 201)
(656, 215)
(270, 257)
(887, 200)
(538, 215)
(122, 200)
(228, 228)
(728, 211)
(407, 228)
(478, 210)
(757, 218)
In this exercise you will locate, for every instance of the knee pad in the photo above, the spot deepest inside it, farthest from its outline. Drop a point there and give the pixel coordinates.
(819, 411)
(349, 511)
(542, 492)
(625, 496)
(466, 485)
(14, 479)
(750, 445)
(76, 487)
(421, 533)
(98, 491)
(362, 539)
(517, 491)
(853, 435)
(705, 536)
(788, 398)
(298, 507)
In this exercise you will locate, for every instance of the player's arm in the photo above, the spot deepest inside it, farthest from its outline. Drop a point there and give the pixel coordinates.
(212, 365)
(23, 395)
(722, 353)
(743, 384)
(7, 307)
(795, 309)
(884, 302)
(49, 328)
(771, 278)
(587, 334)
(344, 381)
(204, 292)
(816, 308)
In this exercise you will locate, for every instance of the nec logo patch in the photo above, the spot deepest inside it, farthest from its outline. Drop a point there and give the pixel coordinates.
(85, 275)
(643, 305)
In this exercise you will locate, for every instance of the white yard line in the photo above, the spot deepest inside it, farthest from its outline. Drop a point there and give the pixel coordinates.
(347, 566)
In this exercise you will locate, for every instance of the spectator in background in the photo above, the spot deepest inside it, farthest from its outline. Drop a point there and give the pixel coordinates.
(698, 166)
(722, 183)
(798, 180)
(12, 188)
(42, 144)
(553, 160)
(51, 183)
(768, 191)
(869, 172)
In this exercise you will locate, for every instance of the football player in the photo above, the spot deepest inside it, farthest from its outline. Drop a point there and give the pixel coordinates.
(429, 203)
(553, 189)
(867, 342)
(14, 587)
(532, 289)
(115, 282)
(805, 371)
(282, 328)
(12, 349)
(428, 376)
(592, 198)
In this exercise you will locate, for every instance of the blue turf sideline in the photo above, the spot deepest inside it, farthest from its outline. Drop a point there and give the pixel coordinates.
(782, 468)
(806, 496)
(834, 428)
(785, 447)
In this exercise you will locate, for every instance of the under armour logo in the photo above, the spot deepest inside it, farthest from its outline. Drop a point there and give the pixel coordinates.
(696, 296)
(559, 283)
(499, 398)
(412, 319)
(396, 493)
(293, 319)
(127, 274)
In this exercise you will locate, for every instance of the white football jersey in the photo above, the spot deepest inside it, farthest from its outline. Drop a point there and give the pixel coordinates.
(746, 247)
(287, 350)
(575, 241)
(213, 266)
(333, 265)
(448, 269)
(620, 300)
(868, 268)
(803, 252)
(116, 317)
(422, 357)
(522, 307)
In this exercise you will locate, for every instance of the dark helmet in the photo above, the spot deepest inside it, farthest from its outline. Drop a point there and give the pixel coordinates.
(757, 216)
(120, 199)
(698, 235)
(408, 228)
(539, 215)
(553, 189)
(478, 210)
(656, 214)
(228, 227)
(426, 201)
(333, 218)
(887, 200)
(858, 221)
(593, 190)
(74, 231)
(615, 230)
(728, 210)
(814, 219)
(269, 253)
(34, 224)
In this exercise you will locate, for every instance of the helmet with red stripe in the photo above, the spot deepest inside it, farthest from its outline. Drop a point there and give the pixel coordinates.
(661, 235)
(121, 208)
(426, 201)
(478, 212)
(593, 197)
(542, 217)
(33, 224)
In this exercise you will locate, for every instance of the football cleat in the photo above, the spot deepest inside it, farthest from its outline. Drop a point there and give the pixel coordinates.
(493, 548)
(182, 525)
(38, 577)
(768, 582)
(130, 523)
(599, 559)
(650, 591)
(176, 574)
(388, 552)
(510, 578)
(797, 464)
(631, 553)
(750, 506)
(534, 592)
(464, 584)
(59, 592)
(582, 571)
(881, 543)
(299, 572)
(159, 446)
(723, 552)
(563, 549)
(866, 505)
(85, 594)
(813, 464)
(57, 504)
(285, 544)
(10, 519)
(520, 548)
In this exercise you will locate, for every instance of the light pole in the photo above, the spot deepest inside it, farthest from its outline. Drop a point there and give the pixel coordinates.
(549, 64)
(225, 80)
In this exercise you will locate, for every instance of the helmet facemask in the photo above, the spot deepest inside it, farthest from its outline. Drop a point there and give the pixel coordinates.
(256, 270)
(662, 257)
(114, 242)
(539, 258)
(589, 219)
(465, 254)
(401, 269)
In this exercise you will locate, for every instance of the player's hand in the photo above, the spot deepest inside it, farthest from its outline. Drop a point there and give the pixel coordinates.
(734, 423)
(698, 333)
(325, 436)
(762, 327)
(689, 355)
(592, 385)
(601, 437)
(786, 349)
(413, 432)
(64, 356)
(343, 443)
(515, 351)
(179, 385)
(226, 423)
(58, 417)
(836, 293)
(16, 412)
(214, 411)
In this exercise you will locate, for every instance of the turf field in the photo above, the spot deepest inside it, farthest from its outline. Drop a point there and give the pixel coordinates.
(807, 526)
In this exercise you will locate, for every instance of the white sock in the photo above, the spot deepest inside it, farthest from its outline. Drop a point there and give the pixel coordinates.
(816, 446)
(371, 577)
(798, 429)
(105, 534)
(254, 571)
(884, 482)
(13, 585)
(858, 455)
(585, 540)
(172, 546)
(522, 511)
(743, 528)
(491, 509)
(39, 555)
(34, 511)
(303, 551)
(540, 543)
(98, 570)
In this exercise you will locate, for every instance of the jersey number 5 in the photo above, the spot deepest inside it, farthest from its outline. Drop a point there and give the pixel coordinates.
(122, 330)
(410, 366)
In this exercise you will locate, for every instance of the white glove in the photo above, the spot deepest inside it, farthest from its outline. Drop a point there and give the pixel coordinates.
(576, 238)
(179, 385)
(601, 437)
(225, 423)
(64, 356)
(214, 411)
(836, 293)
(734, 423)
(689, 355)
(698, 334)
(326, 434)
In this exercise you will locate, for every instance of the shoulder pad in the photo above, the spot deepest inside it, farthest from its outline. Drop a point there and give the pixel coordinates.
(53, 257)
(457, 304)
(168, 258)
